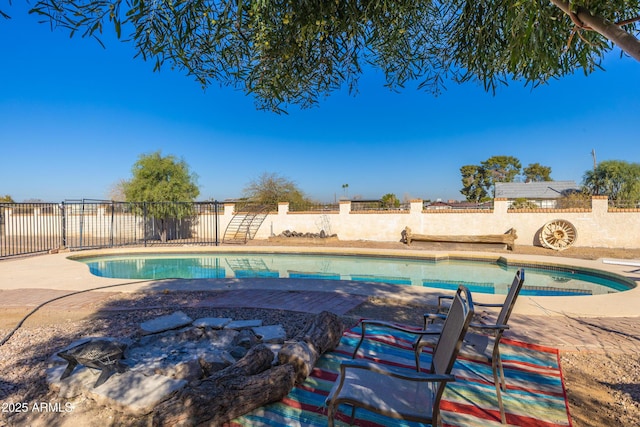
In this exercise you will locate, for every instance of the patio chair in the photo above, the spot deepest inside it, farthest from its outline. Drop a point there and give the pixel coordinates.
(403, 393)
(482, 342)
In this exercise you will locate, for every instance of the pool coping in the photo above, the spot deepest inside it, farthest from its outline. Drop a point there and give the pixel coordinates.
(57, 271)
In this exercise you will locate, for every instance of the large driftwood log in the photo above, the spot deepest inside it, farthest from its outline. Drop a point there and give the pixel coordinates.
(213, 403)
(251, 382)
(231, 392)
(508, 238)
(320, 335)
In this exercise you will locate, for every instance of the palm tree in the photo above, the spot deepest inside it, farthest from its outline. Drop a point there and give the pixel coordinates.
(345, 188)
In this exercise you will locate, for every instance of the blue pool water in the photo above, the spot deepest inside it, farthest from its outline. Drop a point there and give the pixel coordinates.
(478, 276)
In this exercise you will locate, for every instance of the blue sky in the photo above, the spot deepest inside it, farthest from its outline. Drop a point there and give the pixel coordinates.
(74, 118)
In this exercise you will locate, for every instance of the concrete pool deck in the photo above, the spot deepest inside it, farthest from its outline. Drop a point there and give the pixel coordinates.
(561, 322)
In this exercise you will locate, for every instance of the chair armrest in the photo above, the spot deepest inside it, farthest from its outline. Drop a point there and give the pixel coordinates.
(442, 298)
(402, 373)
(384, 324)
(430, 317)
(484, 304)
(390, 325)
(489, 327)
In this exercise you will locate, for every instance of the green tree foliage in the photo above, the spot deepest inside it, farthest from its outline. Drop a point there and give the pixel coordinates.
(161, 179)
(390, 201)
(296, 52)
(522, 203)
(270, 188)
(617, 179)
(478, 180)
(535, 172)
(164, 181)
(6, 199)
(474, 183)
(501, 168)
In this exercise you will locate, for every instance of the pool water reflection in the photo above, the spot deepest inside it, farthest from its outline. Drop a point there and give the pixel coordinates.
(478, 276)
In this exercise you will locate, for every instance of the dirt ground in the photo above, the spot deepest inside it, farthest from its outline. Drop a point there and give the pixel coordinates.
(603, 389)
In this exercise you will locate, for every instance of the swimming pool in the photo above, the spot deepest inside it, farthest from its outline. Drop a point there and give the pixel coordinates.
(479, 276)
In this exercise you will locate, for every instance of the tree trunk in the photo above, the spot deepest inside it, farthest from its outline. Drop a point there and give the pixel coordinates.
(322, 334)
(509, 238)
(163, 230)
(625, 41)
(230, 393)
(323, 331)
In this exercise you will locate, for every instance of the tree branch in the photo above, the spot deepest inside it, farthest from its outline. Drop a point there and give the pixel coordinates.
(625, 41)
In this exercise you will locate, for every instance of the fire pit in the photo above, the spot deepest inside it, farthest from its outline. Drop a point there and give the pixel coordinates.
(101, 354)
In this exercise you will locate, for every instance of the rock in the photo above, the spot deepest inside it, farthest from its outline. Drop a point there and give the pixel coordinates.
(136, 393)
(307, 235)
(212, 322)
(167, 338)
(243, 324)
(165, 323)
(214, 361)
(131, 392)
(188, 370)
(82, 379)
(246, 339)
(273, 334)
(238, 352)
(221, 338)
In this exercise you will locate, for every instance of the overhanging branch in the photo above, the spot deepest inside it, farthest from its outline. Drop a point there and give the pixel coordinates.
(612, 31)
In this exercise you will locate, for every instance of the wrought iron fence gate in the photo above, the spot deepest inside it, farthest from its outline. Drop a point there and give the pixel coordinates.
(28, 228)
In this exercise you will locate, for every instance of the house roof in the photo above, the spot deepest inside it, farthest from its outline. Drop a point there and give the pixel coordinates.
(534, 190)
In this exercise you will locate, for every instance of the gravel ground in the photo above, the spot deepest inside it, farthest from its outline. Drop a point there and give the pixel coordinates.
(23, 359)
(603, 389)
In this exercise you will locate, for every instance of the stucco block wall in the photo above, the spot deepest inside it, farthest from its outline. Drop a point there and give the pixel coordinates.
(596, 227)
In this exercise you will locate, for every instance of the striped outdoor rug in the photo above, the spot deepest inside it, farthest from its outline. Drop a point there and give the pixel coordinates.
(535, 393)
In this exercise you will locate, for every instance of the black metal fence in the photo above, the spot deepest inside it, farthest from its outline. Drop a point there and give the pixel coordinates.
(377, 205)
(624, 204)
(313, 207)
(29, 228)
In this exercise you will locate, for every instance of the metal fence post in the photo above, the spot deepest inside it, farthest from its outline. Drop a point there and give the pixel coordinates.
(144, 223)
(63, 225)
(81, 223)
(113, 208)
(216, 212)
